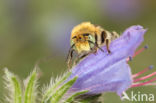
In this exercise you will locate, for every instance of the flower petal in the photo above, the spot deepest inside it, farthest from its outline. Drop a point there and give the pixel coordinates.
(103, 72)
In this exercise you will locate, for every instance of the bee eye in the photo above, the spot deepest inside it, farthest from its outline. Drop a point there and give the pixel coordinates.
(80, 38)
(90, 37)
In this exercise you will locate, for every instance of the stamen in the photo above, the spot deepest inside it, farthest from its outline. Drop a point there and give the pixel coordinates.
(144, 83)
(150, 84)
(137, 52)
(145, 77)
(129, 58)
(140, 50)
(143, 71)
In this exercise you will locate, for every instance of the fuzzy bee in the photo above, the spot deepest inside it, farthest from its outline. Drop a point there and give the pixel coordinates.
(87, 38)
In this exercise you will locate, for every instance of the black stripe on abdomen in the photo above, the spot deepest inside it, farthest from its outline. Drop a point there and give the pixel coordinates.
(96, 39)
(103, 37)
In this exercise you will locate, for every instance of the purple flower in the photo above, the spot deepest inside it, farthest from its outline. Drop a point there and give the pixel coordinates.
(103, 72)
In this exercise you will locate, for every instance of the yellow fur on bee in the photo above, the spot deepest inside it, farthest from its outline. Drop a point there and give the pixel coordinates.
(85, 27)
(82, 47)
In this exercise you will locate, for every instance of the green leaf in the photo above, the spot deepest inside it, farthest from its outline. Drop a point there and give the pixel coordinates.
(30, 91)
(62, 90)
(52, 89)
(13, 87)
(56, 93)
(71, 98)
(17, 90)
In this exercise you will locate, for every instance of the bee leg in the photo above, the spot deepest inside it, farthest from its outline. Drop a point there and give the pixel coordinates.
(76, 60)
(69, 58)
(107, 45)
(79, 57)
(99, 48)
(93, 50)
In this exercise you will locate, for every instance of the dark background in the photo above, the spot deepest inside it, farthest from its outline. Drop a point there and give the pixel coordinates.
(35, 30)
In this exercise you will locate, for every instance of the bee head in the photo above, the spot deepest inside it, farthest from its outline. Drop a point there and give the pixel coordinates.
(84, 39)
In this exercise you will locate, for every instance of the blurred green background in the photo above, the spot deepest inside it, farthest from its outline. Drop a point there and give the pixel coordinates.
(34, 31)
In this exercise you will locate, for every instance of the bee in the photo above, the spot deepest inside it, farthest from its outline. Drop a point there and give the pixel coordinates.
(87, 38)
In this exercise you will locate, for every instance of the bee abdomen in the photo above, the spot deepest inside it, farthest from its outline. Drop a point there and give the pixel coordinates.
(114, 35)
(103, 36)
